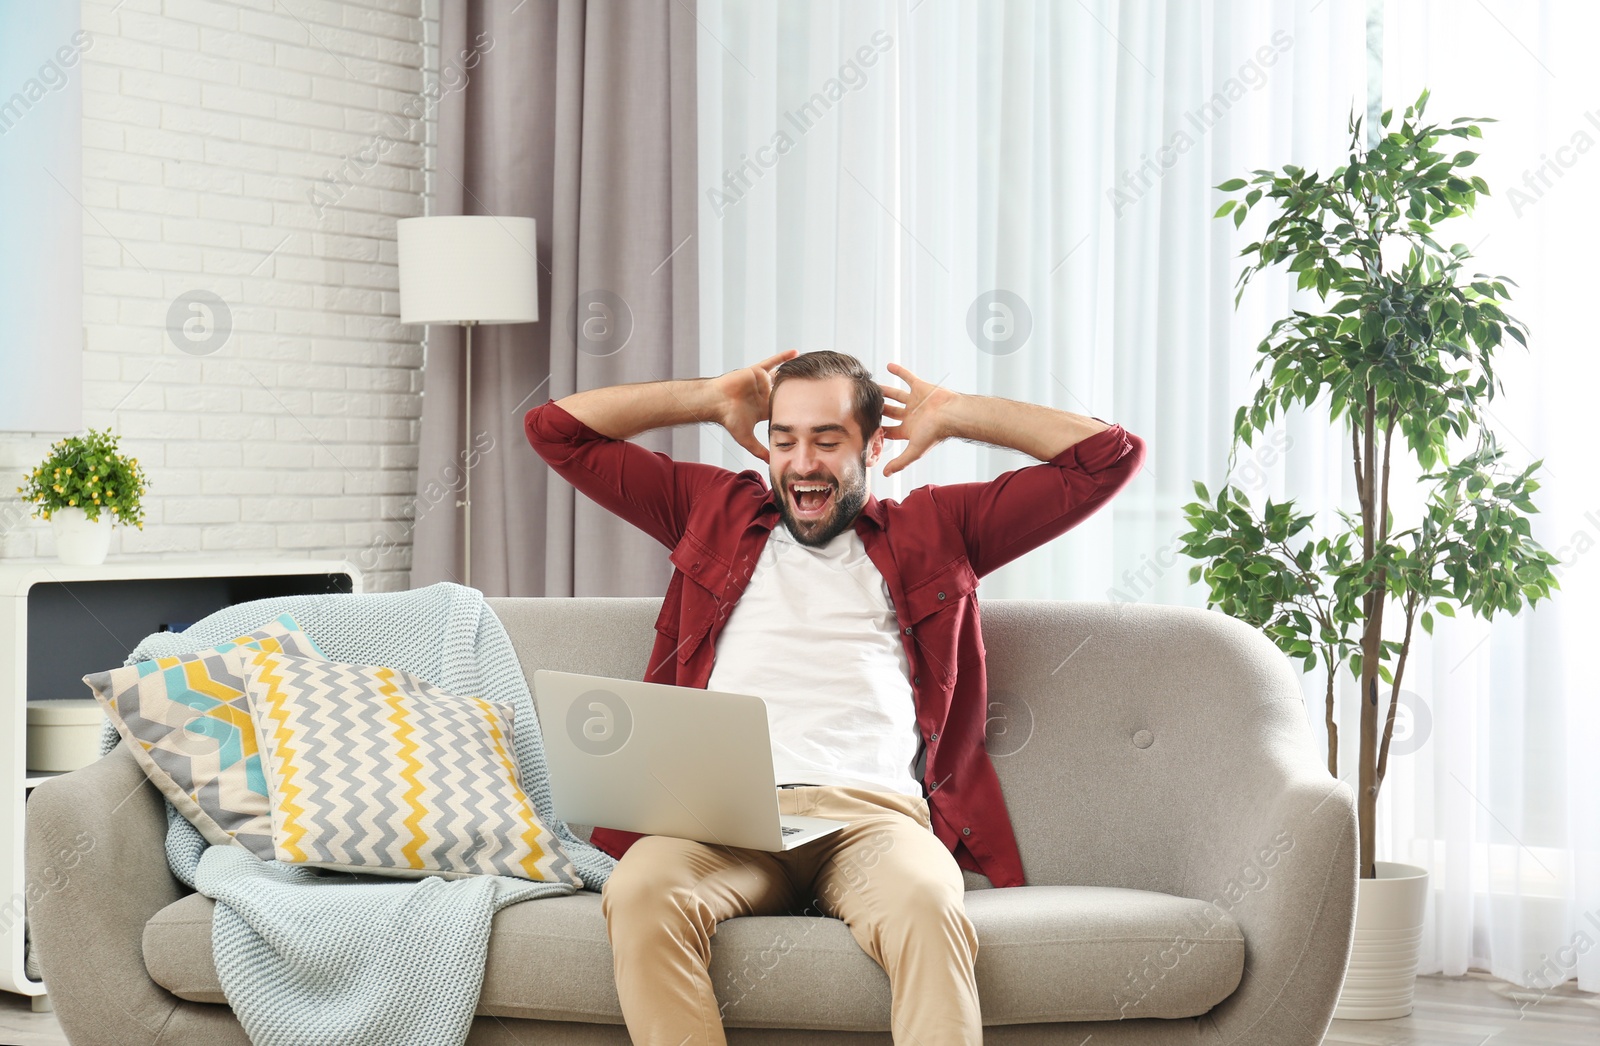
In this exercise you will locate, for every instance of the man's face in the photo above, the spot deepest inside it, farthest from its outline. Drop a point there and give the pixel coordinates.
(813, 440)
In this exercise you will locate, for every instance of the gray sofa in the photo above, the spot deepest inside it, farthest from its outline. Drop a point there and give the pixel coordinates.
(1191, 863)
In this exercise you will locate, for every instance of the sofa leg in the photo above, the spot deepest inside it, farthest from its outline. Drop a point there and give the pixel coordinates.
(42, 1004)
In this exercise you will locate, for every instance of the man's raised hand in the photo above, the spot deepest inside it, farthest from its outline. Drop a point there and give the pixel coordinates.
(922, 416)
(747, 400)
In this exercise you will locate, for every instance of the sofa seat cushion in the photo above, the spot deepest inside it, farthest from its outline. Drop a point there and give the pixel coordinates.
(1045, 954)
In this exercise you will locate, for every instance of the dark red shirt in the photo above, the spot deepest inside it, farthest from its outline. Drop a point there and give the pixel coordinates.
(931, 550)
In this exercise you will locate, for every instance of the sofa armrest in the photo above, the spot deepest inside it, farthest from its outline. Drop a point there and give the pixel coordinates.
(1286, 872)
(97, 871)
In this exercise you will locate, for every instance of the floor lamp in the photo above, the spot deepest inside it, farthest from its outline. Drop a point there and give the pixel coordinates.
(468, 270)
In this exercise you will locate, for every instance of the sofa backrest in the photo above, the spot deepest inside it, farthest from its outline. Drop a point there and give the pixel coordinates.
(1118, 731)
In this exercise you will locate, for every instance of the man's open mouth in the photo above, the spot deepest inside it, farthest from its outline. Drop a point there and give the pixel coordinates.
(811, 500)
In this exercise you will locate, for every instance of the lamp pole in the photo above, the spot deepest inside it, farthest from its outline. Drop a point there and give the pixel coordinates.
(466, 482)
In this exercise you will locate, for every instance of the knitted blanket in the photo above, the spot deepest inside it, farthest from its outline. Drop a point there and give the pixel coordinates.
(309, 957)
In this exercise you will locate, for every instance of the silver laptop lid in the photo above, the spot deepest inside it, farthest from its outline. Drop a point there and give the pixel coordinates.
(659, 759)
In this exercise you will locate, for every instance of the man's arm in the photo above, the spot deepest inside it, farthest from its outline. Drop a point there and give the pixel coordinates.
(1088, 460)
(624, 411)
(1018, 511)
(645, 487)
(584, 438)
(928, 413)
(738, 401)
(1043, 432)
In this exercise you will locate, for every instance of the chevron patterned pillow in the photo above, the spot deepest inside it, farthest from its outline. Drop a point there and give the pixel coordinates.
(188, 724)
(374, 770)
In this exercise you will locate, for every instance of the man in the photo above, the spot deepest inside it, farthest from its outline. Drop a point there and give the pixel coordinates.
(856, 621)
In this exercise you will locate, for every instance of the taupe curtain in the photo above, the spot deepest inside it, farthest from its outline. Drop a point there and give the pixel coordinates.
(580, 114)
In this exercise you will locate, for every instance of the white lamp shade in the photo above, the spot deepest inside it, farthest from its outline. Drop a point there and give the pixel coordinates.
(468, 269)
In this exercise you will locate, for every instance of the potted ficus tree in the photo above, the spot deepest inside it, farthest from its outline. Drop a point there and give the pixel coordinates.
(81, 484)
(1401, 356)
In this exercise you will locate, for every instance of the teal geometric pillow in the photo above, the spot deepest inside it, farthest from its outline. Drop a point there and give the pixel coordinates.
(187, 721)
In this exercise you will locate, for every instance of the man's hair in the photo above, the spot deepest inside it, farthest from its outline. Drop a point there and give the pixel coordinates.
(825, 363)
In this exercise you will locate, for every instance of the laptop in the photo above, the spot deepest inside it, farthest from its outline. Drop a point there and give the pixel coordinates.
(665, 760)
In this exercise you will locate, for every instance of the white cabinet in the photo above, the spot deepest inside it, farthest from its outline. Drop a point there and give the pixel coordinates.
(60, 622)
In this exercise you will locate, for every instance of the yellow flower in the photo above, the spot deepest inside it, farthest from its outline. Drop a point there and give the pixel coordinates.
(74, 501)
(69, 470)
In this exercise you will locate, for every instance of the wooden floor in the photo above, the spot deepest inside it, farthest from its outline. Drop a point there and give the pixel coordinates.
(1478, 1009)
(1474, 1010)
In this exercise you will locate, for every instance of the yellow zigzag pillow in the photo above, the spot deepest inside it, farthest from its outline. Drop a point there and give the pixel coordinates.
(373, 770)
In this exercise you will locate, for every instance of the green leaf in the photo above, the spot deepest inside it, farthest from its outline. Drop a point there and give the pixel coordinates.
(1233, 185)
(1225, 208)
(1200, 491)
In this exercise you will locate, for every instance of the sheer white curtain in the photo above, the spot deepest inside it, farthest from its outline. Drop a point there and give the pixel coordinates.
(1064, 156)
(797, 107)
(1502, 802)
(1015, 199)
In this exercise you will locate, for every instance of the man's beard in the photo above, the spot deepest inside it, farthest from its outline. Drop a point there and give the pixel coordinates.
(849, 496)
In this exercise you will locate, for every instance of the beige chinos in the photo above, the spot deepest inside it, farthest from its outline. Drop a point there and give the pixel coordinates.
(885, 874)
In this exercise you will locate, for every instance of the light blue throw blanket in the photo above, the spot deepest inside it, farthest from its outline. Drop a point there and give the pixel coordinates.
(308, 957)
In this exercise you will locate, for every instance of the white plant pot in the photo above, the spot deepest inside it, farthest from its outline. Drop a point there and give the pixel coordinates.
(79, 541)
(1382, 976)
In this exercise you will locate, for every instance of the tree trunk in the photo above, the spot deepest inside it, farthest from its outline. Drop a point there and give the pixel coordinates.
(1333, 726)
(1372, 515)
(1367, 798)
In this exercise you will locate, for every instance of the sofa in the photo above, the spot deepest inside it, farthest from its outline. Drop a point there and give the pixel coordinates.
(1191, 864)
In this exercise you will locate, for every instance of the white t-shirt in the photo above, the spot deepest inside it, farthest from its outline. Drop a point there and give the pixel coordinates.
(815, 636)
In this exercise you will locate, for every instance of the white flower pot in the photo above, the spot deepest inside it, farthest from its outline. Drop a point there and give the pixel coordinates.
(1382, 976)
(79, 541)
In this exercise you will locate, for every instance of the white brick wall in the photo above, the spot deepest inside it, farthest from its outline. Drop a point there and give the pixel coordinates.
(208, 126)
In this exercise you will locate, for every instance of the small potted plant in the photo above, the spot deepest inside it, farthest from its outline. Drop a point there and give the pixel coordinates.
(78, 487)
